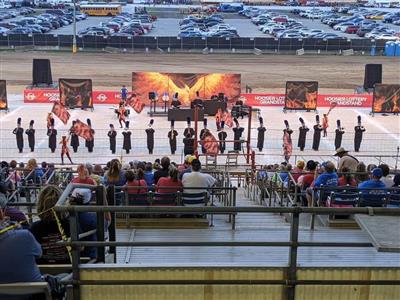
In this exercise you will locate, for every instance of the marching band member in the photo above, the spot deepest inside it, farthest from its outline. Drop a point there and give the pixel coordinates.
(175, 101)
(112, 134)
(188, 145)
(52, 134)
(359, 129)
(74, 138)
(188, 130)
(317, 134)
(31, 136)
(338, 135)
(49, 118)
(303, 129)
(261, 132)
(197, 101)
(90, 144)
(19, 135)
(64, 149)
(127, 145)
(150, 137)
(237, 132)
(172, 134)
(222, 137)
(203, 134)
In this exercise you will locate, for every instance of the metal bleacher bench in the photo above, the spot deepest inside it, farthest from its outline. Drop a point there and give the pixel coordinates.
(26, 289)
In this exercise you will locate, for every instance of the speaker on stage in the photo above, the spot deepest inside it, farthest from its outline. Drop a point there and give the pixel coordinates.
(373, 74)
(41, 73)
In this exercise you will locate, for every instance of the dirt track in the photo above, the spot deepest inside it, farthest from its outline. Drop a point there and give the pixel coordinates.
(265, 73)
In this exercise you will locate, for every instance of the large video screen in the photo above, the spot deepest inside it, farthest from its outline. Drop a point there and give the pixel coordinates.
(186, 85)
(76, 93)
(301, 95)
(386, 98)
(3, 95)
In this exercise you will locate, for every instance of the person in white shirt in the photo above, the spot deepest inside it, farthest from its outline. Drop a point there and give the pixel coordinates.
(197, 179)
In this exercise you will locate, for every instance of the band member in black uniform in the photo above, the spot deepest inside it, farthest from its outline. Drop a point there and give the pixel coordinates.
(150, 137)
(338, 135)
(175, 101)
(203, 134)
(317, 134)
(19, 135)
(172, 134)
(261, 132)
(52, 134)
(90, 144)
(237, 132)
(188, 130)
(359, 129)
(303, 129)
(74, 138)
(112, 134)
(188, 142)
(127, 145)
(31, 136)
(222, 137)
(197, 102)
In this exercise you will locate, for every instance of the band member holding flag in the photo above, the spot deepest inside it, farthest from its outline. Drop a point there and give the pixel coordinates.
(261, 132)
(287, 142)
(31, 135)
(19, 135)
(90, 143)
(150, 137)
(358, 135)
(303, 129)
(122, 114)
(317, 134)
(64, 149)
(222, 137)
(52, 134)
(74, 138)
(325, 124)
(338, 135)
(172, 134)
(112, 134)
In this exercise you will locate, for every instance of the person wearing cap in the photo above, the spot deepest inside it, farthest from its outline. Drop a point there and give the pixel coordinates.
(186, 168)
(222, 135)
(150, 137)
(328, 177)
(172, 134)
(74, 138)
(346, 160)
(90, 143)
(127, 144)
(30, 132)
(237, 135)
(19, 135)
(112, 135)
(260, 136)
(338, 134)
(317, 134)
(52, 134)
(373, 182)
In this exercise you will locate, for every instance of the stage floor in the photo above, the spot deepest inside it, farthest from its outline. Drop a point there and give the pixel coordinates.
(382, 135)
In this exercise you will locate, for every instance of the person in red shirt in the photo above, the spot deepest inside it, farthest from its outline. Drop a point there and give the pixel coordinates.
(83, 176)
(136, 181)
(170, 184)
(346, 178)
(307, 179)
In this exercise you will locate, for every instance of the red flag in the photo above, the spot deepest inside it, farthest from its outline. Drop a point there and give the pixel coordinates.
(227, 118)
(210, 143)
(135, 103)
(61, 112)
(83, 130)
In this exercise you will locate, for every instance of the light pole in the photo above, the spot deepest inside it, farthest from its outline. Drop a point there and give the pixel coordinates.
(74, 30)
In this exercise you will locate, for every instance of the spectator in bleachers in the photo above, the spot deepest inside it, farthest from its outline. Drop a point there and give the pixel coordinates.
(15, 175)
(13, 214)
(137, 181)
(115, 176)
(346, 160)
(83, 176)
(386, 179)
(187, 168)
(46, 230)
(361, 173)
(95, 177)
(172, 182)
(19, 250)
(307, 179)
(197, 179)
(163, 172)
(37, 172)
(374, 182)
(98, 170)
(148, 174)
(370, 167)
(298, 170)
(44, 166)
(396, 180)
(328, 177)
(346, 178)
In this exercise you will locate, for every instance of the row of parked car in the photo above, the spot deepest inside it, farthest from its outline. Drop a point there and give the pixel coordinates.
(124, 24)
(51, 19)
(12, 13)
(206, 26)
(360, 22)
(281, 26)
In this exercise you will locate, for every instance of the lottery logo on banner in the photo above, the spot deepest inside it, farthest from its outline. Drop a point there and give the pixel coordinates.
(186, 85)
(301, 95)
(76, 93)
(386, 98)
(3, 95)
